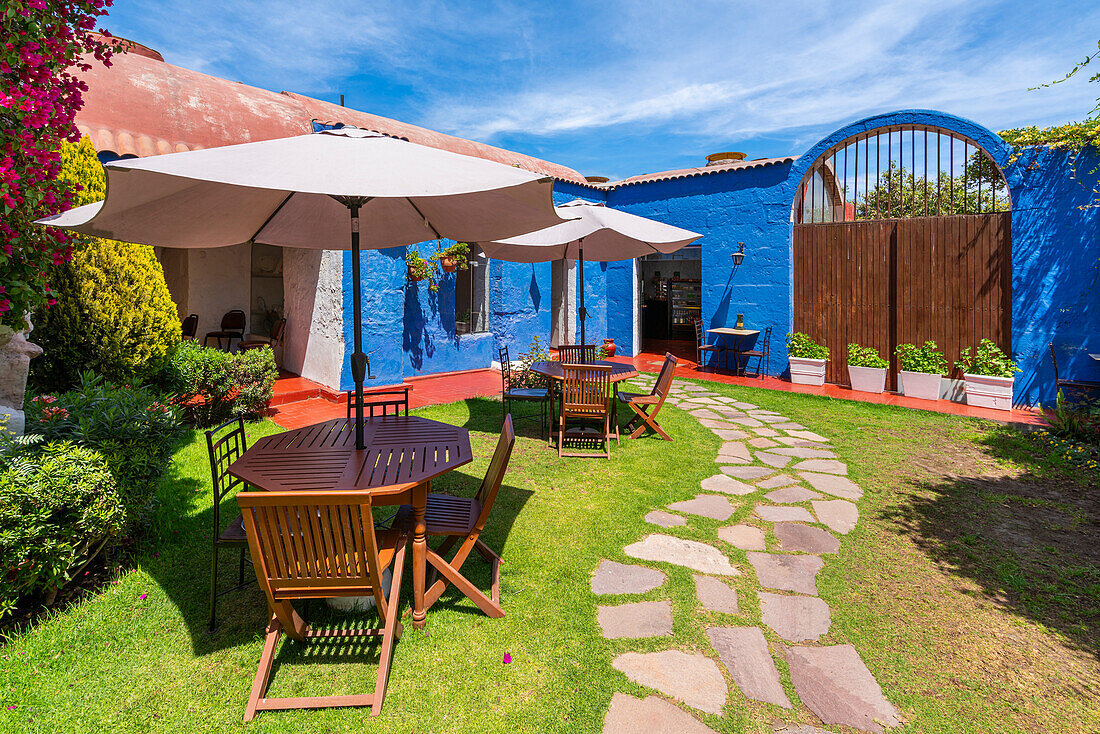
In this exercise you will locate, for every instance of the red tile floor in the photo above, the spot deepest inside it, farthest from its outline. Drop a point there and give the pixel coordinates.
(299, 402)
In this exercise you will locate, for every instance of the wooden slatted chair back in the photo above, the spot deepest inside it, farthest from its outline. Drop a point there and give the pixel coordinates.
(313, 544)
(577, 353)
(225, 447)
(664, 378)
(487, 493)
(585, 389)
(381, 402)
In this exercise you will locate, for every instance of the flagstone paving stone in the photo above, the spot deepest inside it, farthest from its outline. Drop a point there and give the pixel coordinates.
(779, 480)
(622, 578)
(745, 406)
(727, 435)
(791, 495)
(832, 484)
(834, 683)
(693, 388)
(805, 452)
(747, 472)
(713, 423)
(692, 679)
(766, 432)
(651, 715)
(734, 449)
(665, 519)
(776, 460)
(730, 413)
(715, 595)
(787, 573)
(839, 516)
(635, 620)
(795, 618)
(706, 394)
(750, 422)
(762, 443)
(800, 442)
(829, 466)
(745, 537)
(800, 538)
(705, 505)
(727, 485)
(701, 400)
(772, 513)
(744, 652)
(789, 426)
(797, 729)
(706, 413)
(809, 436)
(689, 553)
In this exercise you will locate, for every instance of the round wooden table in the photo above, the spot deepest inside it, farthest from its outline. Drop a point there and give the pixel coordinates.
(399, 451)
(619, 371)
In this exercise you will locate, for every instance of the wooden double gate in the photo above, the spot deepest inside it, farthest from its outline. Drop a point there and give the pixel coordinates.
(886, 282)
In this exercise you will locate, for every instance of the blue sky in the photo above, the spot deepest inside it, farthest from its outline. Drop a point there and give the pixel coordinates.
(622, 88)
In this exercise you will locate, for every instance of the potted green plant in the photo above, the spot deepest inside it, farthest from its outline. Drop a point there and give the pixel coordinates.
(417, 266)
(920, 370)
(866, 369)
(989, 376)
(455, 257)
(807, 359)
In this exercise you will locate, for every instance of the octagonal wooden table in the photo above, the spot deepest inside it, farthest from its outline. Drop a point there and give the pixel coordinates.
(402, 455)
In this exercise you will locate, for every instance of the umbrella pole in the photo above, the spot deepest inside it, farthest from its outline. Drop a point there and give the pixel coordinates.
(358, 359)
(583, 314)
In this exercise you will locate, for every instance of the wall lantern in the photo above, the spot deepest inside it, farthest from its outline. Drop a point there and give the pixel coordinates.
(739, 255)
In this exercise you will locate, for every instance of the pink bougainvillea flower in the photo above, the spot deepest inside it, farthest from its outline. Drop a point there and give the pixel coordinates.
(507, 658)
(142, 597)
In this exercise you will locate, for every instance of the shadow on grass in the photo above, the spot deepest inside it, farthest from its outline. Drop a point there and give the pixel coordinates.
(1028, 541)
(181, 532)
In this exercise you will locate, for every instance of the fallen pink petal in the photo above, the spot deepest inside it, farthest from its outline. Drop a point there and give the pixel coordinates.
(507, 658)
(142, 597)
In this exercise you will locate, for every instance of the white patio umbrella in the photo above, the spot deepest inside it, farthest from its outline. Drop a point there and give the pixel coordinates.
(592, 232)
(312, 191)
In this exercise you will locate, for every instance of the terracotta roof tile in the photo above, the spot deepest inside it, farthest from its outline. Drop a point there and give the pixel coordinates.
(702, 171)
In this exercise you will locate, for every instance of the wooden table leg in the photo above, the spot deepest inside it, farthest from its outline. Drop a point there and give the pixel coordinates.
(419, 551)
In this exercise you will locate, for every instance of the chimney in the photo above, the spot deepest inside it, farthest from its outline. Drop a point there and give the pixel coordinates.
(720, 159)
(596, 179)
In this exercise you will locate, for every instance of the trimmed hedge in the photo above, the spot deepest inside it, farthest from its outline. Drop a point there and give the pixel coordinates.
(212, 386)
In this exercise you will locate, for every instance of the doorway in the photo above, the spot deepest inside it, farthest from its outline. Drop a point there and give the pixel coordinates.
(670, 300)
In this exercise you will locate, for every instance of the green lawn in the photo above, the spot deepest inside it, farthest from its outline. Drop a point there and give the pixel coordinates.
(971, 588)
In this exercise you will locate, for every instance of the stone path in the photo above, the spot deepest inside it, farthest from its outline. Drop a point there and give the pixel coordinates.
(793, 498)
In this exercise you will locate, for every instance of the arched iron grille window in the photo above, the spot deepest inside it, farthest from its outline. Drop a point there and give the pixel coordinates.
(900, 172)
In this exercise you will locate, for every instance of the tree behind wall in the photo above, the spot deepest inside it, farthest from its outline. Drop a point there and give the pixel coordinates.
(113, 313)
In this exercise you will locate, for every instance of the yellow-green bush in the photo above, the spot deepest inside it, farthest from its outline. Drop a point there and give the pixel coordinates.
(113, 313)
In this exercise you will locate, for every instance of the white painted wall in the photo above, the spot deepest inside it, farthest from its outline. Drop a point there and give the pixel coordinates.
(218, 280)
(313, 305)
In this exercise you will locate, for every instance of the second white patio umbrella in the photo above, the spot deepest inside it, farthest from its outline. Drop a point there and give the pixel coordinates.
(313, 191)
(593, 232)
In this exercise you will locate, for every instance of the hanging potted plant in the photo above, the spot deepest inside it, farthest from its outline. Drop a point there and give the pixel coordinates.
(807, 359)
(455, 257)
(866, 369)
(920, 370)
(417, 266)
(989, 376)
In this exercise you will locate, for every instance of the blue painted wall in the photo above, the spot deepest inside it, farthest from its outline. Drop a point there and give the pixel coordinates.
(1056, 268)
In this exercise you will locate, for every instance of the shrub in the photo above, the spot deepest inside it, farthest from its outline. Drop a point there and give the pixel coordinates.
(524, 377)
(1078, 422)
(865, 357)
(59, 505)
(132, 427)
(801, 346)
(928, 358)
(212, 385)
(989, 360)
(113, 313)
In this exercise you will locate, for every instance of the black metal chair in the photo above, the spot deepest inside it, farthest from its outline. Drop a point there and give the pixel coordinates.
(224, 450)
(190, 326)
(761, 352)
(391, 401)
(232, 327)
(278, 330)
(522, 394)
(701, 346)
(1079, 386)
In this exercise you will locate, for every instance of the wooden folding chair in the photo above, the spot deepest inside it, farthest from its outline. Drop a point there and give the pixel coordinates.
(381, 402)
(319, 545)
(585, 393)
(577, 353)
(461, 520)
(640, 402)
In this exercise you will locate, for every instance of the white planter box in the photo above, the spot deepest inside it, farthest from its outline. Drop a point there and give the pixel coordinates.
(919, 385)
(867, 379)
(807, 371)
(983, 391)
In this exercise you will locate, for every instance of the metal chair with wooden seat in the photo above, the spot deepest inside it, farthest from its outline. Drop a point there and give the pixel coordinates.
(577, 353)
(391, 401)
(460, 520)
(189, 326)
(508, 393)
(646, 406)
(320, 545)
(255, 341)
(702, 348)
(585, 398)
(761, 352)
(1072, 386)
(232, 327)
(225, 447)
